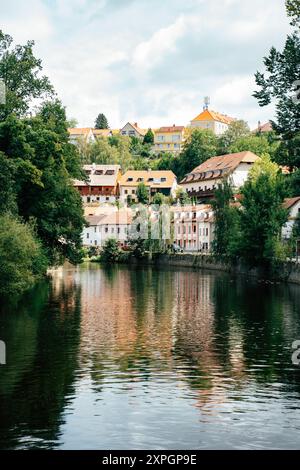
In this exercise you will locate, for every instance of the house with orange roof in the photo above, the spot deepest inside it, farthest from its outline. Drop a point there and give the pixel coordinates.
(202, 182)
(83, 134)
(208, 119)
(133, 130)
(164, 182)
(169, 139)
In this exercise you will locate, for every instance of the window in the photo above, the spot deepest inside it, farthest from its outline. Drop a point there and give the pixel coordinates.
(87, 235)
(107, 198)
(133, 191)
(163, 180)
(110, 172)
(194, 229)
(130, 178)
(176, 146)
(99, 172)
(96, 243)
(175, 138)
(118, 230)
(160, 138)
(126, 191)
(189, 230)
(95, 229)
(151, 179)
(131, 132)
(140, 180)
(112, 230)
(106, 229)
(124, 132)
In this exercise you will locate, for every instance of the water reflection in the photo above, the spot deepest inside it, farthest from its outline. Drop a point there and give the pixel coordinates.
(140, 358)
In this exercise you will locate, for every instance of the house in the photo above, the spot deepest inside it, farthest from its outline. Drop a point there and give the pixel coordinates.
(101, 184)
(133, 130)
(208, 119)
(169, 139)
(164, 182)
(81, 134)
(203, 180)
(115, 224)
(193, 227)
(293, 207)
(263, 128)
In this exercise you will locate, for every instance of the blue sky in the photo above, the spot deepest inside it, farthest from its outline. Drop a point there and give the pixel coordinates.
(151, 61)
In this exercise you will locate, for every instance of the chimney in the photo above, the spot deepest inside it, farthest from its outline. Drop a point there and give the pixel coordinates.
(173, 125)
(136, 124)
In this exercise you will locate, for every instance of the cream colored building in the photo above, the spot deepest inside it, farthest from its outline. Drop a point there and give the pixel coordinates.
(216, 122)
(169, 139)
(164, 182)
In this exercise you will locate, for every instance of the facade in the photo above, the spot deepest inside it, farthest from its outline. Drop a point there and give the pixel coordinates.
(169, 139)
(81, 134)
(194, 227)
(133, 130)
(102, 227)
(101, 184)
(164, 182)
(204, 180)
(216, 122)
(263, 128)
(293, 207)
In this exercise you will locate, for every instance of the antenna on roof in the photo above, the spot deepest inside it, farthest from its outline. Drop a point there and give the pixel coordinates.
(206, 102)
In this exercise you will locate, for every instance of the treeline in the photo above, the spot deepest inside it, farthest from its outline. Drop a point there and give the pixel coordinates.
(41, 217)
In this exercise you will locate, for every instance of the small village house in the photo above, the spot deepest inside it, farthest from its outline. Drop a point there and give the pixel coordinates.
(81, 135)
(113, 224)
(164, 182)
(133, 130)
(101, 184)
(293, 207)
(193, 227)
(202, 182)
(218, 123)
(169, 139)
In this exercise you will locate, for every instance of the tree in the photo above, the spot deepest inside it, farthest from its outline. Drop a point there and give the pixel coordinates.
(199, 147)
(7, 185)
(45, 163)
(281, 84)
(183, 197)
(142, 194)
(227, 220)
(149, 137)
(111, 251)
(22, 257)
(258, 144)
(20, 70)
(262, 214)
(101, 122)
(236, 130)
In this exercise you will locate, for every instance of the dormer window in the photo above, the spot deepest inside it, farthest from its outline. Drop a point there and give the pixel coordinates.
(110, 172)
(130, 179)
(99, 172)
(163, 180)
(140, 180)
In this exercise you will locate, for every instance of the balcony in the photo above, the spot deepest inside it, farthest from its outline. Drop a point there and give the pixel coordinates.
(202, 193)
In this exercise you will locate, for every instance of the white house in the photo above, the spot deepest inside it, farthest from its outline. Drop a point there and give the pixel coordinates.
(293, 206)
(81, 134)
(204, 180)
(133, 130)
(115, 224)
(216, 122)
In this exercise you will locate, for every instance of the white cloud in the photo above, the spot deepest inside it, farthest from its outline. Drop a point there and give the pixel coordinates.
(149, 53)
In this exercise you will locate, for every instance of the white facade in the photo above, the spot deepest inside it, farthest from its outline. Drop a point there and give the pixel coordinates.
(217, 127)
(103, 227)
(132, 130)
(294, 213)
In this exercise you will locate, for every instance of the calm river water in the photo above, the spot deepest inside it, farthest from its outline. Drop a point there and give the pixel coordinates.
(147, 359)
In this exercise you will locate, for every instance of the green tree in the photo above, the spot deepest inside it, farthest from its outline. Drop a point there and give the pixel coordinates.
(21, 72)
(183, 197)
(262, 214)
(142, 193)
(227, 221)
(199, 147)
(22, 257)
(149, 137)
(7, 185)
(111, 251)
(101, 122)
(258, 144)
(281, 84)
(236, 130)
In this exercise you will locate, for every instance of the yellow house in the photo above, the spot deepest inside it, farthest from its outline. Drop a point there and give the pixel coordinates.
(169, 139)
(212, 120)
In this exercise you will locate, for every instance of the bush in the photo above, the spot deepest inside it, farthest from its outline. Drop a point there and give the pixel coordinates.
(22, 258)
(111, 251)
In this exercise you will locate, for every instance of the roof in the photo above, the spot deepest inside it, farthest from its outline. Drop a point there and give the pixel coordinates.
(100, 175)
(218, 167)
(267, 127)
(120, 217)
(136, 128)
(208, 115)
(79, 130)
(290, 202)
(170, 129)
(144, 177)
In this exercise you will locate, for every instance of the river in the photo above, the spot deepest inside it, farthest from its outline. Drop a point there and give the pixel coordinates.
(140, 358)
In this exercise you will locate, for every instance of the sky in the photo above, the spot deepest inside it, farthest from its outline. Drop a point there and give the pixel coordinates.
(151, 61)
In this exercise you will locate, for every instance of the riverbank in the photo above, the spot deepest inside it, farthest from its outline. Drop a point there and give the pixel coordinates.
(285, 272)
